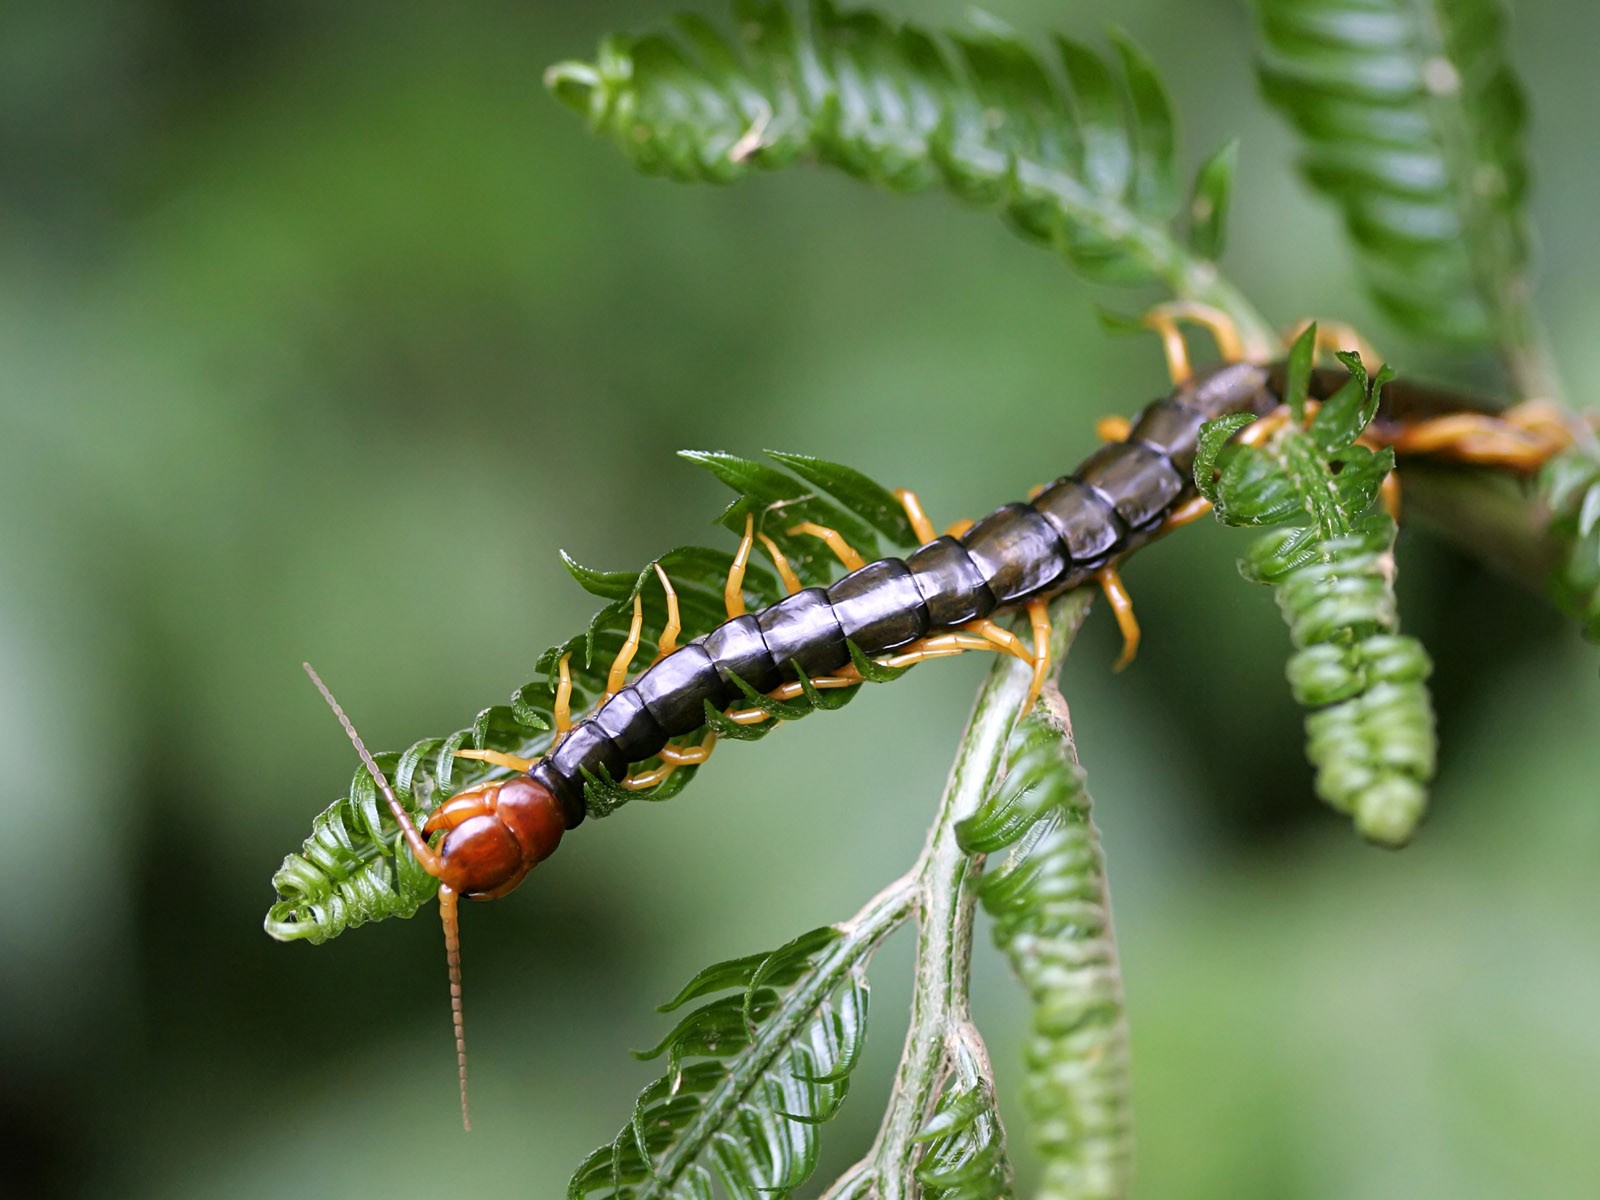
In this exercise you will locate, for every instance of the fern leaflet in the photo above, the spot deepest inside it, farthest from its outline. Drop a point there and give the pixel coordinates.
(1052, 919)
(1071, 157)
(772, 1056)
(1370, 735)
(965, 1145)
(1412, 121)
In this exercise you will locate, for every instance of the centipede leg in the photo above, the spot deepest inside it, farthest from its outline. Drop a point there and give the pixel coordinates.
(668, 641)
(1003, 639)
(563, 705)
(917, 515)
(780, 563)
(1176, 350)
(1114, 428)
(1189, 511)
(630, 647)
(1523, 438)
(1039, 619)
(672, 757)
(498, 758)
(921, 525)
(1122, 606)
(1164, 320)
(1389, 493)
(1262, 428)
(1336, 335)
(842, 549)
(733, 590)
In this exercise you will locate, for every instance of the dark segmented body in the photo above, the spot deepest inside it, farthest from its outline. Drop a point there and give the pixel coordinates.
(1116, 501)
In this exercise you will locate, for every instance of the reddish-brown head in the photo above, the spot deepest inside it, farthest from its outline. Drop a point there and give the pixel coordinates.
(496, 834)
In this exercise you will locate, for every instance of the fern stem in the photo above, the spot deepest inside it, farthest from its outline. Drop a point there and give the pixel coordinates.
(863, 933)
(945, 875)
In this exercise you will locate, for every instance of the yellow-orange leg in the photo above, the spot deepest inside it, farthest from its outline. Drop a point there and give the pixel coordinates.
(1113, 429)
(1003, 639)
(672, 757)
(1336, 335)
(920, 523)
(1524, 438)
(843, 550)
(511, 762)
(1122, 606)
(780, 563)
(1165, 318)
(1262, 428)
(630, 647)
(1189, 511)
(1039, 619)
(563, 705)
(733, 590)
(668, 642)
(917, 515)
(1389, 493)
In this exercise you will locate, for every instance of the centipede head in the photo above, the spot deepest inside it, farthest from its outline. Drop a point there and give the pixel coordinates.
(494, 836)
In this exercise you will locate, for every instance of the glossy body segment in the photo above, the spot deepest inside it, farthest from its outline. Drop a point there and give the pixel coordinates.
(880, 607)
(950, 584)
(1019, 553)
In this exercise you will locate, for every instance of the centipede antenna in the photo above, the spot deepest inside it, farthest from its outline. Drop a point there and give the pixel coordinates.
(452, 949)
(414, 839)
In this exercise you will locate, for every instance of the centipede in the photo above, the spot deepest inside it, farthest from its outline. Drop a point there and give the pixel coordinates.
(951, 595)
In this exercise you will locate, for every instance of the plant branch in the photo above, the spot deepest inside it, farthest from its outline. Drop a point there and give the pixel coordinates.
(944, 875)
(862, 934)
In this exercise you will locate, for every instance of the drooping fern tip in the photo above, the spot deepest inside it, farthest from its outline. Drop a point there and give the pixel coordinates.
(1077, 152)
(1412, 123)
(1369, 725)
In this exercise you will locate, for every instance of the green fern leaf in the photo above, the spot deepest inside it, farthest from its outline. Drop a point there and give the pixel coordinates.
(1412, 121)
(1052, 919)
(773, 1058)
(1369, 728)
(1071, 155)
(965, 1144)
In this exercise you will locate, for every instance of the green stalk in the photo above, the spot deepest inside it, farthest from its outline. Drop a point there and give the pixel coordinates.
(945, 875)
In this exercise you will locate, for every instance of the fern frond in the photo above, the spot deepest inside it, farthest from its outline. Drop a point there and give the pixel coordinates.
(1370, 731)
(1052, 919)
(1071, 156)
(355, 868)
(772, 1057)
(1412, 120)
(965, 1144)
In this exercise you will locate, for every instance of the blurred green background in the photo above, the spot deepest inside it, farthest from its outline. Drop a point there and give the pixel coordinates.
(321, 331)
